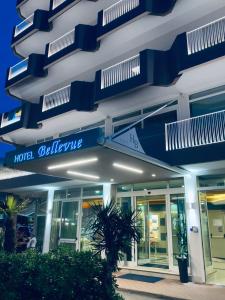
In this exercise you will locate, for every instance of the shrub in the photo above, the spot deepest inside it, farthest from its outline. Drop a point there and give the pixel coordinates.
(59, 275)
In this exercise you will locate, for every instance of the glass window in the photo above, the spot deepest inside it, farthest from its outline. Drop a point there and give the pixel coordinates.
(124, 203)
(59, 195)
(211, 180)
(124, 188)
(150, 185)
(93, 191)
(73, 193)
(208, 105)
(176, 183)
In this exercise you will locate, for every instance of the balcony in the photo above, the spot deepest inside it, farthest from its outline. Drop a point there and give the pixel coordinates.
(38, 21)
(18, 118)
(197, 131)
(29, 67)
(56, 98)
(18, 69)
(125, 11)
(28, 7)
(206, 36)
(24, 25)
(76, 96)
(82, 38)
(11, 117)
(149, 67)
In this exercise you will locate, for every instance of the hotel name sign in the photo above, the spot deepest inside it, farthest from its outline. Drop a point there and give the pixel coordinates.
(58, 146)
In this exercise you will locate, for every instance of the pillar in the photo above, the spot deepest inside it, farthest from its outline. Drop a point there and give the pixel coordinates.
(48, 221)
(194, 229)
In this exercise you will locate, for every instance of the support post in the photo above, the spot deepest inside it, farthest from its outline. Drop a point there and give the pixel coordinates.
(48, 221)
(196, 255)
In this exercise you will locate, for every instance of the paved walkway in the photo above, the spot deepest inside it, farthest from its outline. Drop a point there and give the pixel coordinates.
(134, 296)
(173, 289)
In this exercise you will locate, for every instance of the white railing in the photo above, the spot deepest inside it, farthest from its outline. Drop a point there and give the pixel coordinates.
(24, 25)
(56, 3)
(206, 36)
(61, 43)
(118, 9)
(56, 98)
(11, 117)
(18, 68)
(196, 131)
(122, 71)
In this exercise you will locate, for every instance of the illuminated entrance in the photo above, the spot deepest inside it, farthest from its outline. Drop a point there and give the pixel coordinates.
(160, 206)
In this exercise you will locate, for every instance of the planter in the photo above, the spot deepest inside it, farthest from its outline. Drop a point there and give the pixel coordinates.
(183, 269)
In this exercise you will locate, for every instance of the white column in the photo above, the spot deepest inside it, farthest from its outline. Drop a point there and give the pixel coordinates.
(108, 126)
(48, 221)
(183, 108)
(107, 193)
(194, 229)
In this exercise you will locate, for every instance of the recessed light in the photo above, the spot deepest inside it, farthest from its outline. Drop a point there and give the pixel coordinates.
(127, 168)
(73, 163)
(111, 179)
(153, 175)
(82, 174)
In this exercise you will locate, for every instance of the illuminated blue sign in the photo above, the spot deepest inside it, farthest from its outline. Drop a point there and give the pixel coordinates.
(62, 145)
(44, 151)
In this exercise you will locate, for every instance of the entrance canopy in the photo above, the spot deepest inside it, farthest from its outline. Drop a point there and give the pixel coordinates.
(89, 156)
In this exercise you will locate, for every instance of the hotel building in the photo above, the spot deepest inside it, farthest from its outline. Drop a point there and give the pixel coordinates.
(126, 100)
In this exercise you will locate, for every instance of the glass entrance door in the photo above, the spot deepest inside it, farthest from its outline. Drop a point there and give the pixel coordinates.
(69, 223)
(152, 250)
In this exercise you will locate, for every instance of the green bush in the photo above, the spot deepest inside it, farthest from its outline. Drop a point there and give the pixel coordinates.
(58, 275)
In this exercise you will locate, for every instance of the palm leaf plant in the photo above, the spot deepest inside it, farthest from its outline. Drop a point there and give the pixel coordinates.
(10, 208)
(113, 231)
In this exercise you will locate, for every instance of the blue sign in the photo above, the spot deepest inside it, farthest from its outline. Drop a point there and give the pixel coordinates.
(58, 146)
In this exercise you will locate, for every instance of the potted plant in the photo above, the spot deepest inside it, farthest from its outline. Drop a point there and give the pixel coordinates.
(182, 257)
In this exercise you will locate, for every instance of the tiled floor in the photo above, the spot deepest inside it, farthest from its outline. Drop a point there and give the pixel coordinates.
(174, 289)
(218, 274)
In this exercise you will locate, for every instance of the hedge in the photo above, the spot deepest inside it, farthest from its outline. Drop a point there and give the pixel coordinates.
(59, 275)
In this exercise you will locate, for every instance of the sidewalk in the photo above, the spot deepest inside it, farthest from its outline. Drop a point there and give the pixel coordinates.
(173, 289)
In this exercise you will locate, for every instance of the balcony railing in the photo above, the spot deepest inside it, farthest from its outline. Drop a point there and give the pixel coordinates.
(197, 131)
(56, 98)
(122, 71)
(24, 25)
(118, 9)
(18, 68)
(11, 117)
(206, 36)
(61, 43)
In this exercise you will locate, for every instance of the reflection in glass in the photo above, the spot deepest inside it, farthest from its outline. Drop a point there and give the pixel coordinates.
(88, 216)
(55, 226)
(178, 222)
(69, 220)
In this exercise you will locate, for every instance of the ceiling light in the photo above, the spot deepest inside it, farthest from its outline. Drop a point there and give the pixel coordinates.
(73, 163)
(127, 168)
(153, 175)
(111, 179)
(82, 174)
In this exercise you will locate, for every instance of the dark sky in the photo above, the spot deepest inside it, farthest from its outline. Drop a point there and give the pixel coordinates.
(8, 18)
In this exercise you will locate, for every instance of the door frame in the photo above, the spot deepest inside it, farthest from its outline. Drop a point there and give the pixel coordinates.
(155, 192)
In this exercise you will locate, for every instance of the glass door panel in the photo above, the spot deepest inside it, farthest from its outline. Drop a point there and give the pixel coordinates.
(69, 221)
(55, 225)
(87, 219)
(205, 233)
(153, 246)
(178, 222)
